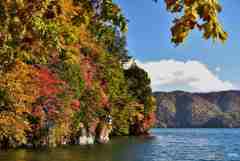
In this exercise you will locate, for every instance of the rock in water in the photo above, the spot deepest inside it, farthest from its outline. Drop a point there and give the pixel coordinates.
(82, 140)
(104, 133)
(90, 139)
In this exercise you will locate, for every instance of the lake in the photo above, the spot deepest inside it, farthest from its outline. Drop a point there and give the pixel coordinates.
(165, 145)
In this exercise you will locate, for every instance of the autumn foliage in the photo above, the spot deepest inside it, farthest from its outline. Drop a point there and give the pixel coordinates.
(61, 69)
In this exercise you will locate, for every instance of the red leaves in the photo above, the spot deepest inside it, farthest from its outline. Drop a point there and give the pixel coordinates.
(49, 105)
(88, 76)
(75, 105)
(149, 120)
(38, 112)
(49, 84)
(89, 70)
(47, 76)
(104, 84)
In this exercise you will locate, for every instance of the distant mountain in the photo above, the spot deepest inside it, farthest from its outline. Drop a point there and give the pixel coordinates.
(180, 109)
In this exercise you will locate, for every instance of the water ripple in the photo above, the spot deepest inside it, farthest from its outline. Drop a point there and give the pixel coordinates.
(167, 145)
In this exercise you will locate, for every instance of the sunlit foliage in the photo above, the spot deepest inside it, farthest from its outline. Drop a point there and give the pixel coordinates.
(195, 14)
(61, 69)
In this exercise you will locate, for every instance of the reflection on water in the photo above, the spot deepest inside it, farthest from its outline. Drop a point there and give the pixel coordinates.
(167, 145)
(107, 152)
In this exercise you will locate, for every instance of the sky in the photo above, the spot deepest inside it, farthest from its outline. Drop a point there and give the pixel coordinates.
(196, 65)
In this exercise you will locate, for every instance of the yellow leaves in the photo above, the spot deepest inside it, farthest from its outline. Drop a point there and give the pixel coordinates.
(22, 109)
(20, 2)
(19, 83)
(13, 128)
(191, 13)
(223, 36)
(140, 117)
(66, 5)
(68, 8)
(197, 13)
(7, 118)
(87, 19)
(72, 57)
(214, 30)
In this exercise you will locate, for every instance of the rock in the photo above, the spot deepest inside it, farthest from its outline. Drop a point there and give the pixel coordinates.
(104, 133)
(90, 139)
(85, 138)
(82, 140)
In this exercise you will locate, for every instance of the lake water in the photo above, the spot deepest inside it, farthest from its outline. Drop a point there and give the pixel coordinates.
(166, 145)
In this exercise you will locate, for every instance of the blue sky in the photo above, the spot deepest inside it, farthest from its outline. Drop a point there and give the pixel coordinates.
(149, 42)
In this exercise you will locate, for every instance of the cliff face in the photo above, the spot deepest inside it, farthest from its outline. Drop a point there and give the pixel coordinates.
(186, 110)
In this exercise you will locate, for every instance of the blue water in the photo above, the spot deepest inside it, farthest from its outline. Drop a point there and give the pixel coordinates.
(190, 145)
(166, 145)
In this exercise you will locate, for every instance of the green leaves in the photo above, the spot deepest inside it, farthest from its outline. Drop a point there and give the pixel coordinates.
(49, 31)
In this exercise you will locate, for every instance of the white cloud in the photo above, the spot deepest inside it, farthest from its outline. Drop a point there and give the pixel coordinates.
(191, 75)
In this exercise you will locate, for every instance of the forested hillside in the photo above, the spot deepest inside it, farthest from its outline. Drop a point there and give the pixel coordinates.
(207, 110)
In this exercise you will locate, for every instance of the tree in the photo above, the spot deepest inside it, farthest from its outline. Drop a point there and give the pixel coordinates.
(139, 86)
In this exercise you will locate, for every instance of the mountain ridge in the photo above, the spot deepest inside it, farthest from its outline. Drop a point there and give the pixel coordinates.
(180, 109)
